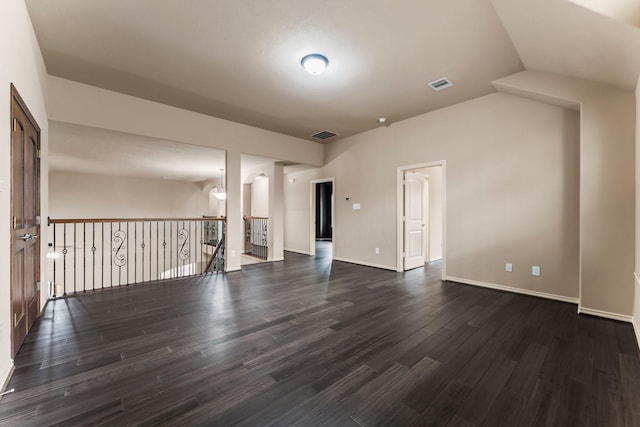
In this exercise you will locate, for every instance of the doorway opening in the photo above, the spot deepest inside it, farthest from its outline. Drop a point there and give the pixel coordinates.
(322, 232)
(255, 209)
(421, 216)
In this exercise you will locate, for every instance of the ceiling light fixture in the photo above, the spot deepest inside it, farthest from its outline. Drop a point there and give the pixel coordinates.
(221, 194)
(314, 63)
(382, 120)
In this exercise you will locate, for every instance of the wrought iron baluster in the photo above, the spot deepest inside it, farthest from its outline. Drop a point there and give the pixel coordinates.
(151, 250)
(54, 260)
(93, 251)
(75, 264)
(119, 267)
(223, 249)
(84, 257)
(157, 250)
(102, 265)
(111, 255)
(64, 259)
(142, 254)
(135, 253)
(128, 267)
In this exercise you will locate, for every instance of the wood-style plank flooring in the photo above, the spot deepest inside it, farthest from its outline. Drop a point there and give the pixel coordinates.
(308, 342)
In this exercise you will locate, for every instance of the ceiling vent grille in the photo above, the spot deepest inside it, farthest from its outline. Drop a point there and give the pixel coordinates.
(324, 134)
(441, 84)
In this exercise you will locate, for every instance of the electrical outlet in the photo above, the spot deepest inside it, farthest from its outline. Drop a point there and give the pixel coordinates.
(535, 270)
(377, 251)
(508, 267)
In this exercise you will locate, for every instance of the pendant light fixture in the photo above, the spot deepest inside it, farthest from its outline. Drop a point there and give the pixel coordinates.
(221, 194)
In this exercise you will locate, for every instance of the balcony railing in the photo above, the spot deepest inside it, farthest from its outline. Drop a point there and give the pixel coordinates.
(93, 254)
(255, 232)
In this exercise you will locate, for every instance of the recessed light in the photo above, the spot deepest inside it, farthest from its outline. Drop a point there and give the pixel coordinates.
(314, 63)
(381, 120)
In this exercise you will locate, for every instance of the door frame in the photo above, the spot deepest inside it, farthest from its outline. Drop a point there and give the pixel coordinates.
(17, 99)
(427, 214)
(400, 209)
(312, 216)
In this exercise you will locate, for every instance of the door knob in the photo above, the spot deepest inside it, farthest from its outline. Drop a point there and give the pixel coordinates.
(28, 237)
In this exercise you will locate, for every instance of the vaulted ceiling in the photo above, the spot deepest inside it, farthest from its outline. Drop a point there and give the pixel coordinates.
(240, 60)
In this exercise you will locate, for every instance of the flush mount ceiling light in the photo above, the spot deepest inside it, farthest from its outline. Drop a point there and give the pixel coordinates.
(314, 63)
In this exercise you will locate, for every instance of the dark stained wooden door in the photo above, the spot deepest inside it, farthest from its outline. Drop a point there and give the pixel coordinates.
(25, 213)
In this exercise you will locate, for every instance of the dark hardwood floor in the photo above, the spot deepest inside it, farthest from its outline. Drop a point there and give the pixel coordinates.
(308, 342)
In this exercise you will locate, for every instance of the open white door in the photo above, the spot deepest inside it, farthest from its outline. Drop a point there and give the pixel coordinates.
(414, 220)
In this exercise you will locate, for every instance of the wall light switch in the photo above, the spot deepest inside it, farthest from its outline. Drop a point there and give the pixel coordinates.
(508, 267)
(356, 206)
(232, 252)
(377, 251)
(535, 270)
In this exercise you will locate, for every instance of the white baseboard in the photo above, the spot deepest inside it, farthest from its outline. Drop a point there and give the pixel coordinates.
(6, 376)
(298, 252)
(636, 310)
(229, 270)
(366, 264)
(605, 314)
(515, 290)
(275, 259)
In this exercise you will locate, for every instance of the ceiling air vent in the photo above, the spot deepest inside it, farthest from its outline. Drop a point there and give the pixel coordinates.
(324, 134)
(441, 84)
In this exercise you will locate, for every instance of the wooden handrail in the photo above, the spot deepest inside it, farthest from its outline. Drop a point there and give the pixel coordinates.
(254, 217)
(100, 220)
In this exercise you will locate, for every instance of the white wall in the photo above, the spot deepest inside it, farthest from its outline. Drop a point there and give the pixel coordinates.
(512, 174)
(76, 103)
(260, 197)
(77, 195)
(297, 209)
(607, 195)
(23, 66)
(636, 305)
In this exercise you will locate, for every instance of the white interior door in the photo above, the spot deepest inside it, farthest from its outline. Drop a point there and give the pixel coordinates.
(414, 220)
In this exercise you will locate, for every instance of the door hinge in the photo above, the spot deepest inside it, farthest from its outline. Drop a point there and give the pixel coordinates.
(14, 223)
(14, 124)
(38, 154)
(38, 285)
(15, 319)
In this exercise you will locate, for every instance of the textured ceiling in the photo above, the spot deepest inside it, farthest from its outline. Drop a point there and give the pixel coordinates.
(240, 60)
(623, 10)
(562, 37)
(91, 150)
